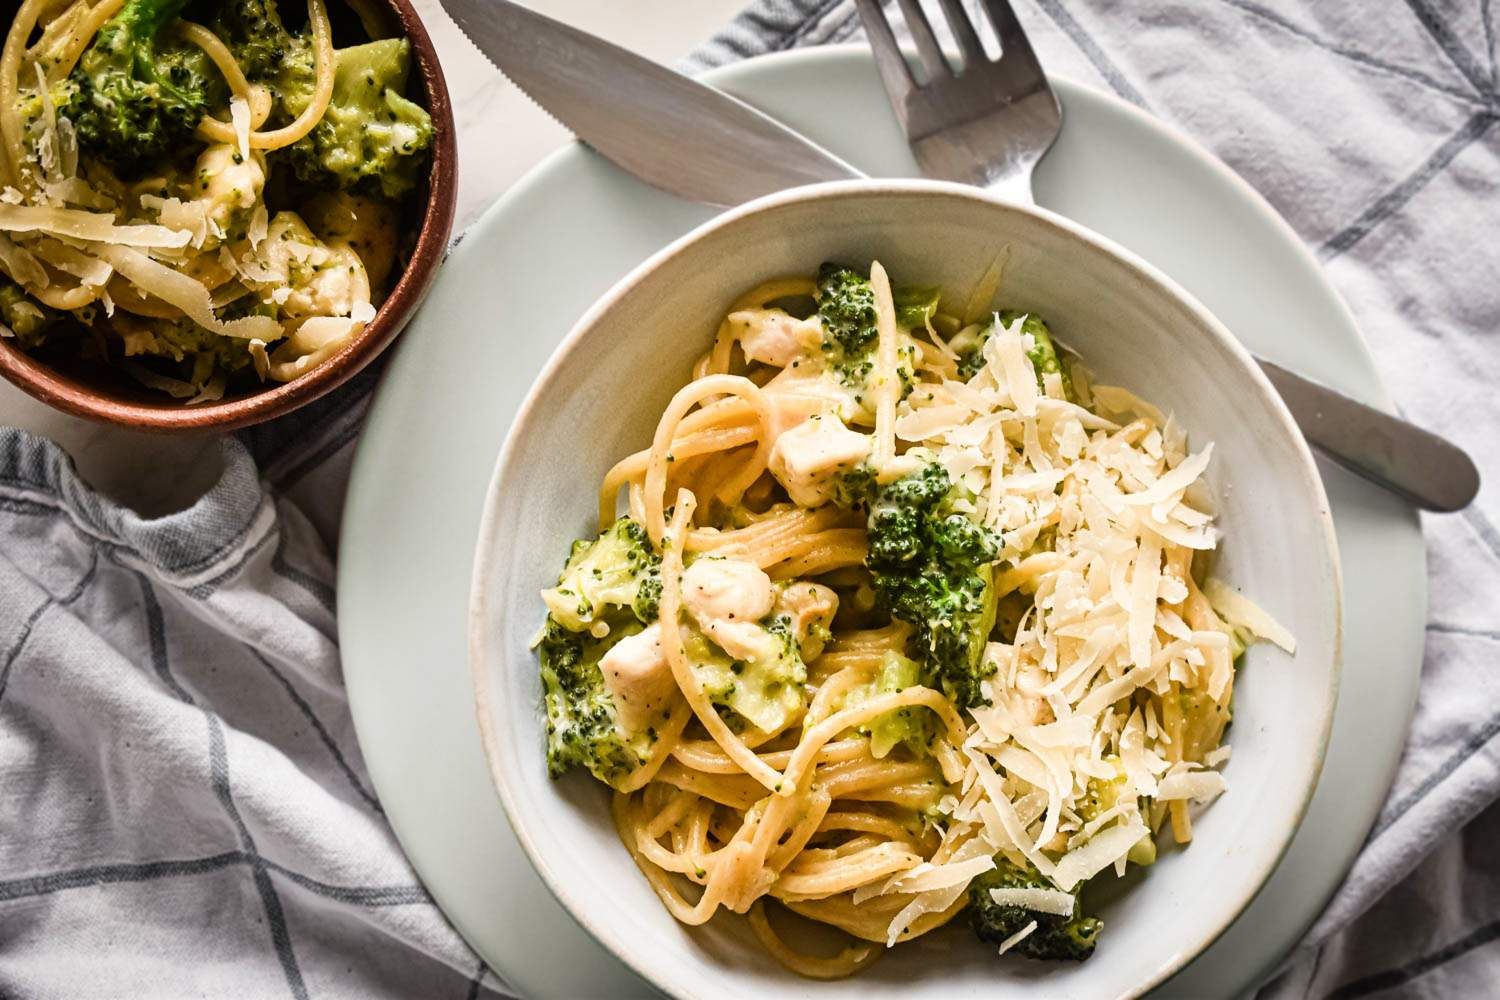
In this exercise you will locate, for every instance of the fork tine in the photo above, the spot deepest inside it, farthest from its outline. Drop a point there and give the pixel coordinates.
(1015, 47)
(888, 58)
(963, 32)
(928, 49)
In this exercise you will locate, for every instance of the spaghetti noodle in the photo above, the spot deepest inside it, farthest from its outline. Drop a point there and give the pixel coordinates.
(805, 716)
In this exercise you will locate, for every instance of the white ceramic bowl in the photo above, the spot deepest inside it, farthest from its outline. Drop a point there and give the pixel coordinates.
(599, 399)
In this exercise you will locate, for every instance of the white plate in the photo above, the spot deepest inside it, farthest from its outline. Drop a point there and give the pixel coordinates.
(540, 256)
(1135, 331)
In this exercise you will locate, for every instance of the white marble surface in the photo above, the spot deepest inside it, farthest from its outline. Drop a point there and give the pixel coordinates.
(501, 135)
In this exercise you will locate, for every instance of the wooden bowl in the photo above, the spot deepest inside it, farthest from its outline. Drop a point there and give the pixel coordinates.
(110, 396)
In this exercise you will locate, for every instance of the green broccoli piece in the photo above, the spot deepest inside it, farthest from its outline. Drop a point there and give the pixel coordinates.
(138, 93)
(846, 306)
(855, 488)
(260, 41)
(610, 585)
(764, 690)
(909, 727)
(1056, 938)
(915, 305)
(1043, 352)
(582, 728)
(270, 54)
(28, 319)
(932, 569)
(371, 137)
(619, 569)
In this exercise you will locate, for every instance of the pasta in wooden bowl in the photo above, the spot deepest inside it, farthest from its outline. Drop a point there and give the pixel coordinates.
(211, 212)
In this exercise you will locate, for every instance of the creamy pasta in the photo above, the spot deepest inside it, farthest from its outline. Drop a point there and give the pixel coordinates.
(904, 616)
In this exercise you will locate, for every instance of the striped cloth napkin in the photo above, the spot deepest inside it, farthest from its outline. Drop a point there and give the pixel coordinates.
(183, 806)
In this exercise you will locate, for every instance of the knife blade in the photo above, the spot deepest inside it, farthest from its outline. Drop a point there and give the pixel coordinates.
(718, 150)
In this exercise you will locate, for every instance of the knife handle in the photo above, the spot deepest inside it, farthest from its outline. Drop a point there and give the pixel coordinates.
(1418, 465)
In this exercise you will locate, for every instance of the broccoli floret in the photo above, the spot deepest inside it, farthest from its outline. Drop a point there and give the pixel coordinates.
(1056, 938)
(855, 488)
(846, 304)
(910, 727)
(260, 41)
(581, 717)
(1043, 352)
(931, 568)
(270, 55)
(27, 319)
(611, 586)
(371, 137)
(764, 690)
(619, 569)
(915, 305)
(138, 93)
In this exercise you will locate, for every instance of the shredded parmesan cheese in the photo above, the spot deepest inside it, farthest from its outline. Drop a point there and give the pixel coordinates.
(22, 265)
(1053, 901)
(926, 877)
(1017, 937)
(192, 298)
(1099, 853)
(239, 118)
(95, 227)
(1240, 610)
(1098, 513)
(1199, 786)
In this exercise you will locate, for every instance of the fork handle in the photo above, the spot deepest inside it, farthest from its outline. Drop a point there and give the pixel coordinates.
(1423, 468)
(1014, 187)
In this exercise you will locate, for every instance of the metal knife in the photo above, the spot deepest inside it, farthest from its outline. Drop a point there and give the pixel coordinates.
(670, 131)
(699, 143)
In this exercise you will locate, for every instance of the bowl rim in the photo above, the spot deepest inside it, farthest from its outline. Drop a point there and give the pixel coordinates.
(63, 392)
(479, 611)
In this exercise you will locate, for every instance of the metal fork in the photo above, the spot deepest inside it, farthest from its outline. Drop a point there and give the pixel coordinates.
(988, 122)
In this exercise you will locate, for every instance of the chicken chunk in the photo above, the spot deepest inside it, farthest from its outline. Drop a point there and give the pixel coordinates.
(304, 276)
(775, 337)
(807, 459)
(228, 185)
(1026, 701)
(364, 224)
(811, 607)
(639, 679)
(728, 598)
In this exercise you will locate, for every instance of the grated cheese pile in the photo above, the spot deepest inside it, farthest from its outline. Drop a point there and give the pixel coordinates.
(1106, 711)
